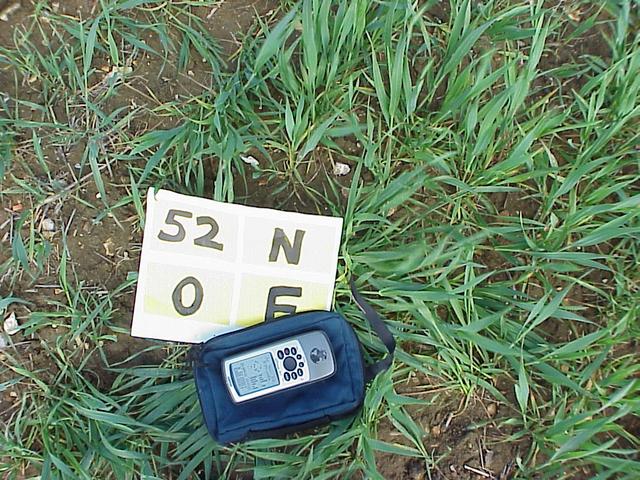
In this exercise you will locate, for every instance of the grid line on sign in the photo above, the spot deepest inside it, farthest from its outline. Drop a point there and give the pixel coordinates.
(194, 261)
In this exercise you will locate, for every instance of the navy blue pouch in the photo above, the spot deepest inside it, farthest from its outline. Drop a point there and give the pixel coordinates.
(290, 410)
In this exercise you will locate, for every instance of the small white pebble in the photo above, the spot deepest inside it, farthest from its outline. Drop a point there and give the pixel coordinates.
(11, 326)
(341, 169)
(250, 160)
(48, 225)
(9, 10)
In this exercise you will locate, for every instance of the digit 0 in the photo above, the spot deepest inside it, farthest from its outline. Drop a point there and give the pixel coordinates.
(176, 296)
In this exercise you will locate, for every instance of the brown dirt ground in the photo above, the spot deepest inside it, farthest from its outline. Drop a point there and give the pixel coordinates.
(101, 251)
(466, 437)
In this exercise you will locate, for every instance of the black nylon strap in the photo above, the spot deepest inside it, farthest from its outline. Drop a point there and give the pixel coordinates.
(381, 330)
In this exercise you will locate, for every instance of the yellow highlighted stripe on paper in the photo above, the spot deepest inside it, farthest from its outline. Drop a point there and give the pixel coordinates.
(166, 296)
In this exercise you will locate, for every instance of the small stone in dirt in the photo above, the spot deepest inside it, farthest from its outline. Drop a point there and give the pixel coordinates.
(117, 72)
(574, 15)
(436, 430)
(10, 325)
(341, 169)
(250, 160)
(491, 410)
(108, 247)
(9, 10)
(48, 225)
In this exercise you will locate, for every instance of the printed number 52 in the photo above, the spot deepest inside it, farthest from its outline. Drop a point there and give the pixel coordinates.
(205, 240)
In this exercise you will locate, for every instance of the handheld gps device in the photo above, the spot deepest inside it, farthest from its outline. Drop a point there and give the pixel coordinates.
(281, 365)
(286, 375)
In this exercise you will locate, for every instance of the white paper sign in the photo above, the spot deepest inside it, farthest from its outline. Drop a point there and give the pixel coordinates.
(209, 267)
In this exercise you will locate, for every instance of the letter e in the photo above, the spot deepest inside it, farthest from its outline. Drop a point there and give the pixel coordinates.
(273, 307)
